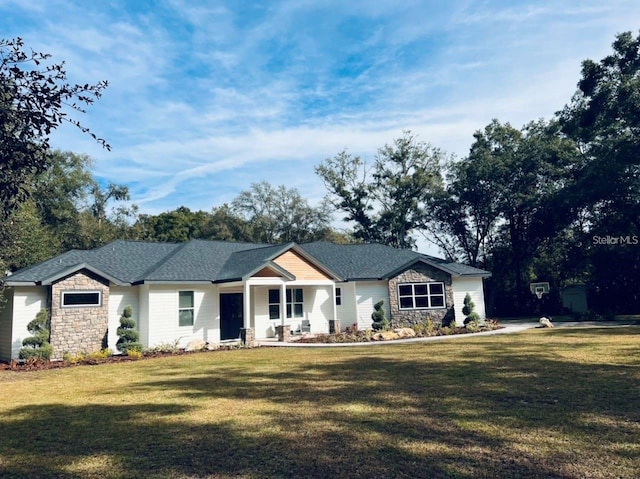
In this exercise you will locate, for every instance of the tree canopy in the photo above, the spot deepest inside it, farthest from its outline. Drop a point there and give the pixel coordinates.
(392, 199)
(35, 99)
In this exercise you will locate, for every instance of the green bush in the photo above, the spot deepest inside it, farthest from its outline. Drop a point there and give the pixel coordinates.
(129, 337)
(44, 352)
(37, 345)
(379, 317)
(424, 329)
(468, 311)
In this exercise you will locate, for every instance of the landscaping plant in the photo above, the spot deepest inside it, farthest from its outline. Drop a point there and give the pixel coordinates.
(379, 317)
(129, 337)
(471, 317)
(37, 346)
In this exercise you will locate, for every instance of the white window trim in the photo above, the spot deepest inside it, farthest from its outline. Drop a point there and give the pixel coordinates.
(428, 295)
(90, 305)
(286, 304)
(191, 308)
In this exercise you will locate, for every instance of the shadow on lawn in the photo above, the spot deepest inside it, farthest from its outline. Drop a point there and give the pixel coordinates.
(325, 420)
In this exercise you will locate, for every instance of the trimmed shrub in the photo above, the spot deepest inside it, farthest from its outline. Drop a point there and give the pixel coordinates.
(37, 346)
(129, 339)
(468, 311)
(379, 317)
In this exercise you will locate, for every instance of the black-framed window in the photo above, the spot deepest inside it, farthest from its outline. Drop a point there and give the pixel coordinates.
(186, 310)
(79, 299)
(274, 304)
(421, 295)
(338, 296)
(295, 303)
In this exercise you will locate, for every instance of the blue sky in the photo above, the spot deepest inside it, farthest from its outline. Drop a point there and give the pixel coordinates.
(206, 97)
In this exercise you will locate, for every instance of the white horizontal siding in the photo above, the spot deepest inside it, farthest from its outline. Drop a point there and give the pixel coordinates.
(369, 293)
(6, 315)
(320, 304)
(475, 288)
(27, 303)
(347, 311)
(119, 298)
(163, 325)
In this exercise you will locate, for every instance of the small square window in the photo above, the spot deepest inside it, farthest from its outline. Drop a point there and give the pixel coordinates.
(405, 290)
(437, 301)
(422, 302)
(406, 303)
(420, 289)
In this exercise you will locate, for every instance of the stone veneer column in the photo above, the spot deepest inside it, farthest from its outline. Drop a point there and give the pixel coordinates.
(247, 336)
(283, 332)
(79, 329)
(419, 273)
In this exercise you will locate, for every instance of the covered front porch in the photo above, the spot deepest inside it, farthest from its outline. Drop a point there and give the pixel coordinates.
(258, 306)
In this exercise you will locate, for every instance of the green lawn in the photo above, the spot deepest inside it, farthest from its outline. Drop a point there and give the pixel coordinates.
(559, 403)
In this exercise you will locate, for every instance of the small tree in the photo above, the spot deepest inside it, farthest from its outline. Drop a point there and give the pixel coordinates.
(379, 317)
(37, 345)
(468, 310)
(129, 337)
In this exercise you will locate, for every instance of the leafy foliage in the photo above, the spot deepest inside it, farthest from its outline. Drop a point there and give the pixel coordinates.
(379, 317)
(281, 215)
(67, 209)
(129, 338)
(37, 345)
(34, 100)
(603, 117)
(471, 317)
(391, 200)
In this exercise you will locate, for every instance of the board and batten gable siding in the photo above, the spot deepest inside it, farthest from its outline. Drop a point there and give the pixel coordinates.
(369, 293)
(163, 324)
(299, 267)
(27, 301)
(119, 298)
(474, 286)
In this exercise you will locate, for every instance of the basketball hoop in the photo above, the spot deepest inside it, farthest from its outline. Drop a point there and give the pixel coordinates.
(539, 289)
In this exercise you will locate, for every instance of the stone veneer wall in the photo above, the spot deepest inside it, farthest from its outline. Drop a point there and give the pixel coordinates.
(79, 329)
(420, 273)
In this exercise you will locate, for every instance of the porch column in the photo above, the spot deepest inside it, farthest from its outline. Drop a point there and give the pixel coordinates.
(333, 297)
(283, 303)
(246, 307)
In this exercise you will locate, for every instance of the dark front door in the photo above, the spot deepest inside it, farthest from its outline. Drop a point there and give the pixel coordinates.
(231, 317)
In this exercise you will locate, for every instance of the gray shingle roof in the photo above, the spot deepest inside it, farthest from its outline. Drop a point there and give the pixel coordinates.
(377, 261)
(218, 261)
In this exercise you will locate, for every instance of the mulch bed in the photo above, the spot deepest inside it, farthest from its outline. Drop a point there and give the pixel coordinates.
(365, 336)
(40, 365)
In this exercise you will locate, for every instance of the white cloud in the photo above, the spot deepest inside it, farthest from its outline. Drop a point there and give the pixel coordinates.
(207, 98)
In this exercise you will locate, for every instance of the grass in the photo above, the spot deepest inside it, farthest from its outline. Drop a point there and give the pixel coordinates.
(562, 403)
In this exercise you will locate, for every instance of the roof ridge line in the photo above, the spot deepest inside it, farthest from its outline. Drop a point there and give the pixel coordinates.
(163, 259)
